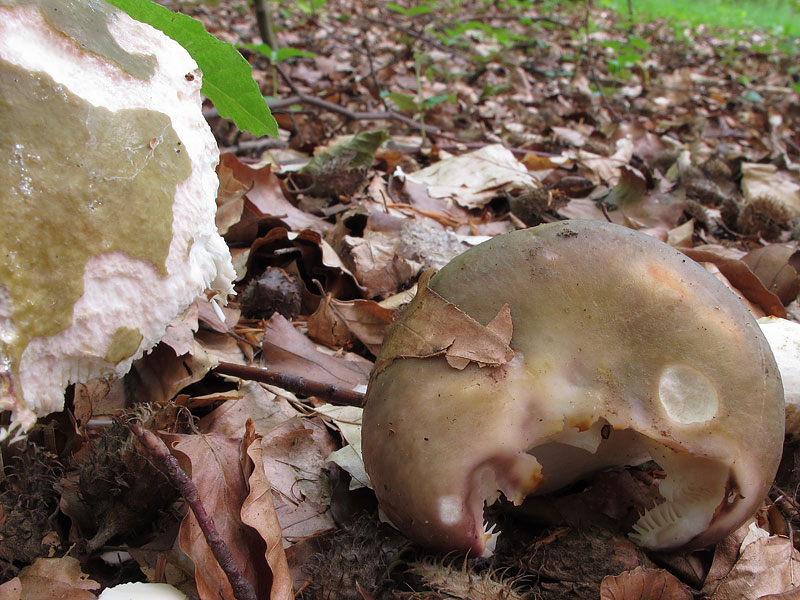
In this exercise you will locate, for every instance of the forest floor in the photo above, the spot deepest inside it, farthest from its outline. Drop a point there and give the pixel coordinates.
(408, 134)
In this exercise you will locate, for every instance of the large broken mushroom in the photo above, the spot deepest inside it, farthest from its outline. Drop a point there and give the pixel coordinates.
(618, 349)
(108, 196)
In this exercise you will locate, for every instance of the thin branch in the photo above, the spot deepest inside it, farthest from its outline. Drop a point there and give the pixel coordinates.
(242, 588)
(352, 115)
(293, 383)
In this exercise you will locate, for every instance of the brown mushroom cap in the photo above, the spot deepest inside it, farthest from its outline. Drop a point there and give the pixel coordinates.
(610, 328)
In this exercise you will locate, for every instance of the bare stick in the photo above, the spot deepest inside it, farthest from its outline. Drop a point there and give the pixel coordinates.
(242, 588)
(293, 383)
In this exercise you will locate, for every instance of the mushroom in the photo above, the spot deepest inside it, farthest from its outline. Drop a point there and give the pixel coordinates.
(783, 337)
(108, 196)
(618, 350)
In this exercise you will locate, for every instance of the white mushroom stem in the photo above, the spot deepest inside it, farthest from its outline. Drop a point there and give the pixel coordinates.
(784, 339)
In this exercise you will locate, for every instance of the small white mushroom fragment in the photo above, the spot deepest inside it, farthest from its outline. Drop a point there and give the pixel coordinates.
(619, 349)
(107, 196)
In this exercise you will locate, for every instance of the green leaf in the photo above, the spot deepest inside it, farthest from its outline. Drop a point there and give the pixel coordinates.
(434, 100)
(404, 101)
(279, 54)
(396, 8)
(227, 77)
(418, 10)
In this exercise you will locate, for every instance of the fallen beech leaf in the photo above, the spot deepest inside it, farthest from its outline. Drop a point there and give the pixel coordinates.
(349, 457)
(286, 350)
(644, 584)
(294, 456)
(765, 180)
(777, 267)
(162, 374)
(230, 199)
(315, 258)
(474, 178)
(377, 265)
(49, 578)
(336, 321)
(766, 565)
(212, 461)
(267, 411)
(265, 193)
(741, 279)
(630, 189)
(434, 326)
(258, 511)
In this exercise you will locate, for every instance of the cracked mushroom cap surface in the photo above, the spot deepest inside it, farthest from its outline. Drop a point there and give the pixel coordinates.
(108, 196)
(546, 354)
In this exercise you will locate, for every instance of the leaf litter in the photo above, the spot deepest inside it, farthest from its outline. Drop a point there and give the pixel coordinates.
(405, 138)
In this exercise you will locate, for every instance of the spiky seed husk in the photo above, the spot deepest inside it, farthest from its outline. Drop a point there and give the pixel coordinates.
(766, 217)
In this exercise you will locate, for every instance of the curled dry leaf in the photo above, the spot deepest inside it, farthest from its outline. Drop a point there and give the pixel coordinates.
(435, 326)
(741, 279)
(267, 411)
(378, 266)
(294, 456)
(286, 350)
(212, 461)
(258, 511)
(336, 322)
(644, 584)
(766, 565)
(315, 258)
(474, 178)
(50, 578)
(777, 267)
(265, 194)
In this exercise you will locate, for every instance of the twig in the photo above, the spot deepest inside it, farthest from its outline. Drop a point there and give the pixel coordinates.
(303, 98)
(266, 27)
(242, 588)
(293, 383)
(415, 34)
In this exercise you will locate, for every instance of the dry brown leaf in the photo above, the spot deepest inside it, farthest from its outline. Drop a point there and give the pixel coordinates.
(741, 279)
(765, 180)
(644, 584)
(766, 565)
(50, 579)
(258, 511)
(286, 350)
(777, 267)
(474, 178)
(160, 375)
(377, 265)
(267, 411)
(433, 326)
(314, 256)
(180, 333)
(212, 461)
(336, 322)
(294, 456)
(265, 193)
(230, 199)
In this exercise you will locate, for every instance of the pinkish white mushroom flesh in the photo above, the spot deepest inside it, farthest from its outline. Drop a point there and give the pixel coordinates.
(108, 196)
(623, 350)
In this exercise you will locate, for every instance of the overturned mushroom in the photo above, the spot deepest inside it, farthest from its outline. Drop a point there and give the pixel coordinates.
(618, 349)
(107, 196)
